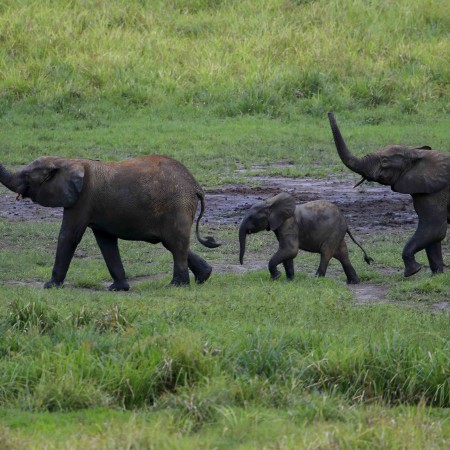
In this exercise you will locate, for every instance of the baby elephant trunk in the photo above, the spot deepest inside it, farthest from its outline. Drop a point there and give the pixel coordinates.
(242, 241)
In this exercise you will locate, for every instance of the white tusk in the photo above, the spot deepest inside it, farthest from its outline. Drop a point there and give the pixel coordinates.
(361, 181)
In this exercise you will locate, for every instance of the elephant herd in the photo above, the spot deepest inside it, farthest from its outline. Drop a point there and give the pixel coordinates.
(154, 199)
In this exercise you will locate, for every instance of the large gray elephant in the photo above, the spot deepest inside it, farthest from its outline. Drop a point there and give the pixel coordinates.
(421, 172)
(317, 227)
(152, 198)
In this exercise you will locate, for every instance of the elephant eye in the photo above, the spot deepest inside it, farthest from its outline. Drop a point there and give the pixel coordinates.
(384, 162)
(49, 176)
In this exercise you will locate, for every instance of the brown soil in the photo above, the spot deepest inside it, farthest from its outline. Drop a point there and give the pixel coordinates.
(371, 208)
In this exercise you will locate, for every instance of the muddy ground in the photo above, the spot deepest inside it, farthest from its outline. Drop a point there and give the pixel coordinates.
(369, 209)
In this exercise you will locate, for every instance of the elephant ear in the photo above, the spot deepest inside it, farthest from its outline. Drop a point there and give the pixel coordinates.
(427, 171)
(61, 184)
(280, 207)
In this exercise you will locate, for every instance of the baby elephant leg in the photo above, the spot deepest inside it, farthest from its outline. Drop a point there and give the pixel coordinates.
(287, 251)
(342, 256)
(325, 257)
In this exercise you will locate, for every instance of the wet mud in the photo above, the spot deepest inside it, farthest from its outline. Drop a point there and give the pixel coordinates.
(370, 208)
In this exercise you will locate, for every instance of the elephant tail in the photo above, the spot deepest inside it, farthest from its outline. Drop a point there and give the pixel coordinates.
(367, 258)
(209, 241)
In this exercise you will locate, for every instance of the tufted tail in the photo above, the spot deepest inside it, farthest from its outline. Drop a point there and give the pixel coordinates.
(209, 241)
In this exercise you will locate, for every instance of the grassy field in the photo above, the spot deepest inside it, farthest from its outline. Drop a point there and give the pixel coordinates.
(240, 362)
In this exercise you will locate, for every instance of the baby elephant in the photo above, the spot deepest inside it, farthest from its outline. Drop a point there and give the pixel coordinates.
(317, 227)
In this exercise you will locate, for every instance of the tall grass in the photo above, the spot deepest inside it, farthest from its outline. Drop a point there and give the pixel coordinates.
(69, 352)
(237, 56)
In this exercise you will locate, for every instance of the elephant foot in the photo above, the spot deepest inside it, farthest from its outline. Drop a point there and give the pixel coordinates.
(119, 286)
(178, 283)
(53, 284)
(412, 268)
(275, 276)
(353, 280)
(437, 271)
(199, 279)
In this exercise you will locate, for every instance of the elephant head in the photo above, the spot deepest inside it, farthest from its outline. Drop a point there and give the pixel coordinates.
(407, 170)
(49, 181)
(267, 215)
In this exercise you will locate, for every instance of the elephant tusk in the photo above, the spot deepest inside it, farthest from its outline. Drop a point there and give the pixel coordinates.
(19, 197)
(361, 181)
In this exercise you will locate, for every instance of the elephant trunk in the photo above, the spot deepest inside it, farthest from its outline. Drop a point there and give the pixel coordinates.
(9, 180)
(352, 162)
(242, 241)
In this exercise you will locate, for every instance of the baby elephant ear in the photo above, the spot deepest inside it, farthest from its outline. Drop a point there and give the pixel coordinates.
(428, 171)
(280, 207)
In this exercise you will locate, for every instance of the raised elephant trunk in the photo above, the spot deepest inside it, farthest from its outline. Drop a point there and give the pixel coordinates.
(242, 241)
(351, 161)
(9, 180)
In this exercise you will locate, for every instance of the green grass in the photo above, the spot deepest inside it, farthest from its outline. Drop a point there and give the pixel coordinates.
(240, 362)
(237, 57)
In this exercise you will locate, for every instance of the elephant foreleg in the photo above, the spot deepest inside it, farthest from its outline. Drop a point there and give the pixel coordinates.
(434, 254)
(110, 250)
(431, 230)
(289, 268)
(69, 237)
(200, 268)
(287, 251)
(428, 236)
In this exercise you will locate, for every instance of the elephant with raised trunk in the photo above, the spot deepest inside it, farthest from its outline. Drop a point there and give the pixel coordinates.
(152, 198)
(421, 172)
(316, 227)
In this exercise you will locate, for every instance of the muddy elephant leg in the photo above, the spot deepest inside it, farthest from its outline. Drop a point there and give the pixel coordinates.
(110, 250)
(179, 250)
(342, 256)
(69, 237)
(289, 268)
(199, 267)
(434, 254)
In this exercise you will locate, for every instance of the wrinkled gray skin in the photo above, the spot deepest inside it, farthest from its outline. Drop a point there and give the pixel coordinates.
(421, 172)
(153, 199)
(316, 227)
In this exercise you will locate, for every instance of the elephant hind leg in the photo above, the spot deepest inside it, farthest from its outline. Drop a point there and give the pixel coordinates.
(199, 267)
(110, 250)
(342, 256)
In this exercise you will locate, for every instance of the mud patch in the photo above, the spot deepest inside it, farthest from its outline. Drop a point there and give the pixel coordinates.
(367, 209)
(369, 293)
